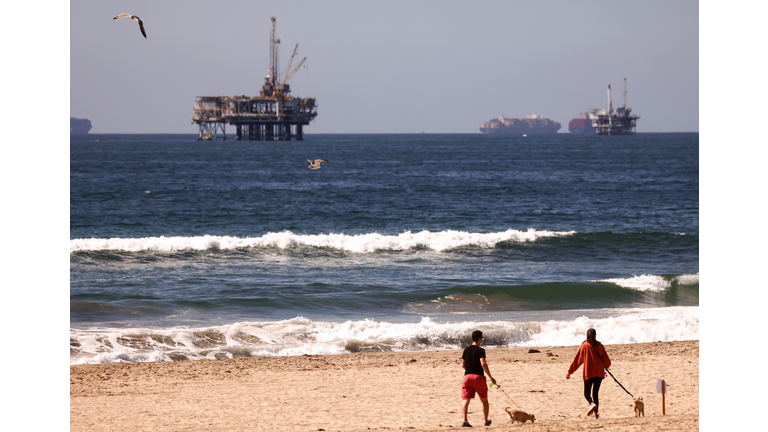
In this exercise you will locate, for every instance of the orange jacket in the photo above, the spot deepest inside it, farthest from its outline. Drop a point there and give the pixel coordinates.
(586, 355)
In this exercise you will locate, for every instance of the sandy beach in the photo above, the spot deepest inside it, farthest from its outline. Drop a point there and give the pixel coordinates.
(383, 391)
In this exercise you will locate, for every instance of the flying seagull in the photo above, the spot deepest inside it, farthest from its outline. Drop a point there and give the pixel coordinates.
(134, 18)
(316, 163)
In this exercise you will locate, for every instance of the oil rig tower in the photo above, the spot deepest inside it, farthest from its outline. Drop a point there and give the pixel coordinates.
(615, 122)
(274, 115)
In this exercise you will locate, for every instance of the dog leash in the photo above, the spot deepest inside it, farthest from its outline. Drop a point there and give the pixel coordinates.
(505, 394)
(617, 382)
(609, 372)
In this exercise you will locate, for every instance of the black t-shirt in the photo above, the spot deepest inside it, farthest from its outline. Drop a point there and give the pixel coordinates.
(472, 355)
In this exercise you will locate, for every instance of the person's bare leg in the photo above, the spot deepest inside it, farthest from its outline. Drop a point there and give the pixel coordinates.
(486, 409)
(465, 408)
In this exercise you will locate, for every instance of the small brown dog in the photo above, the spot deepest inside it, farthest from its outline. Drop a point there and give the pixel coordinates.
(639, 407)
(518, 416)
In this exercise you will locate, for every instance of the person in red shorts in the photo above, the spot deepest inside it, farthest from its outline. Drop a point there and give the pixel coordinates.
(594, 358)
(475, 368)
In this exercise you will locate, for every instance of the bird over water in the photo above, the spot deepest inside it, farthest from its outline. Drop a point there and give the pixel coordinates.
(134, 18)
(316, 163)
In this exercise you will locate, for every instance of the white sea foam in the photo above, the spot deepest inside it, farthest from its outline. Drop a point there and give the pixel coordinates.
(688, 279)
(652, 282)
(300, 335)
(641, 283)
(627, 326)
(360, 243)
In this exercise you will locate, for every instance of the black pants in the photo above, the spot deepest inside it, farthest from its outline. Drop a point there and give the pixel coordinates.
(592, 386)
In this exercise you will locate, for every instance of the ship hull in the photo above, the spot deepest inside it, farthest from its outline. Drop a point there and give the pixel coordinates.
(581, 125)
(521, 131)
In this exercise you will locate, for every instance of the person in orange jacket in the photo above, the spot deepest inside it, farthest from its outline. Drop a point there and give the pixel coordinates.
(592, 354)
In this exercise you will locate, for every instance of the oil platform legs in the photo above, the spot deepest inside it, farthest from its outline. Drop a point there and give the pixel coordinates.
(208, 131)
(269, 132)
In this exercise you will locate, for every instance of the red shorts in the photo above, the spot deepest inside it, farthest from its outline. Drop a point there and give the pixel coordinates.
(474, 383)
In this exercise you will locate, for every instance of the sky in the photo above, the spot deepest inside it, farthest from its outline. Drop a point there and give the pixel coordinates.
(388, 67)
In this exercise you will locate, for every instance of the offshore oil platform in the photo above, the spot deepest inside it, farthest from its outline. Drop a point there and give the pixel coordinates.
(606, 122)
(274, 115)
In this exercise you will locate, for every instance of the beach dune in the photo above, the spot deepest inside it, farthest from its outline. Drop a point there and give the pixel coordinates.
(383, 391)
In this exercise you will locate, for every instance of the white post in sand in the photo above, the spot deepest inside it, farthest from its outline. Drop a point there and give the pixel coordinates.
(661, 387)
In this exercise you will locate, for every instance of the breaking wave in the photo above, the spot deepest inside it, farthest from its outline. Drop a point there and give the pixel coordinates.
(653, 282)
(361, 243)
(299, 336)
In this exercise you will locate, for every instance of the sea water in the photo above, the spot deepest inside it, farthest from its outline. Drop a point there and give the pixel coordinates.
(184, 249)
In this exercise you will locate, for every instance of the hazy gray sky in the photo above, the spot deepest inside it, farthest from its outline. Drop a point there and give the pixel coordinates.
(388, 67)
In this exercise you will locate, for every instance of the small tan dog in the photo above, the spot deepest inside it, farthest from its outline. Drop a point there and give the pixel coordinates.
(518, 416)
(639, 407)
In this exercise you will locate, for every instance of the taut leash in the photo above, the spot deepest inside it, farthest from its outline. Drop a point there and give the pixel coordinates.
(609, 372)
(617, 381)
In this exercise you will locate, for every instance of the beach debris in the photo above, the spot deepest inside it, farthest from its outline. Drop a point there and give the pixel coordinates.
(532, 351)
(134, 18)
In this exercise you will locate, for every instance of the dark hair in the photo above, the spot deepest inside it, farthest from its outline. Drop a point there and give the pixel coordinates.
(592, 337)
(476, 335)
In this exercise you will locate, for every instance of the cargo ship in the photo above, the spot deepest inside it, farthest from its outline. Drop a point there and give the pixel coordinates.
(583, 123)
(79, 126)
(533, 124)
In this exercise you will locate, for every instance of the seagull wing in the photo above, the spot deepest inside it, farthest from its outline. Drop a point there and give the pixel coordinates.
(121, 16)
(141, 26)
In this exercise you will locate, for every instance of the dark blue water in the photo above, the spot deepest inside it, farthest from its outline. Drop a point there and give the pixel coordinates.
(168, 231)
(382, 183)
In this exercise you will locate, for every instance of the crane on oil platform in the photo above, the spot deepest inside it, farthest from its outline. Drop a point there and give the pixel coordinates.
(271, 86)
(283, 86)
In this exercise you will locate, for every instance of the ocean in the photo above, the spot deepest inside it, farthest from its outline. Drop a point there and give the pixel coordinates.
(185, 250)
